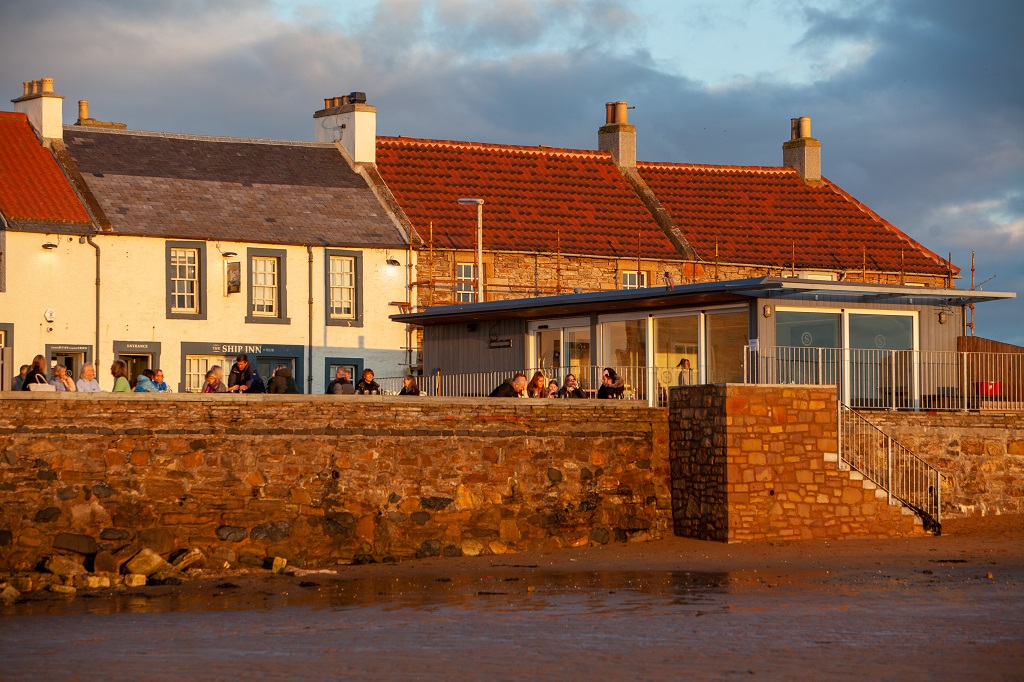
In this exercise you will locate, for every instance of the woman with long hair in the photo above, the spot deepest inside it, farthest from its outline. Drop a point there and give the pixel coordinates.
(36, 373)
(119, 370)
(537, 388)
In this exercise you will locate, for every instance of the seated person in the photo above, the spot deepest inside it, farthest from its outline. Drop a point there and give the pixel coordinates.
(571, 388)
(552, 389)
(611, 384)
(511, 388)
(61, 380)
(342, 383)
(158, 381)
(367, 385)
(536, 388)
(281, 381)
(409, 386)
(214, 381)
(87, 381)
(144, 382)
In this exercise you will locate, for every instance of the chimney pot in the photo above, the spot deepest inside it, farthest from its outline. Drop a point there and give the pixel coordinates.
(794, 128)
(609, 113)
(47, 85)
(27, 86)
(328, 102)
(621, 115)
(805, 126)
(83, 109)
(37, 87)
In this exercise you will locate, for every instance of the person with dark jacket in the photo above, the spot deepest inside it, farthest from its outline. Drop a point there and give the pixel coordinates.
(571, 388)
(281, 381)
(511, 388)
(244, 378)
(36, 373)
(367, 385)
(409, 386)
(611, 384)
(342, 383)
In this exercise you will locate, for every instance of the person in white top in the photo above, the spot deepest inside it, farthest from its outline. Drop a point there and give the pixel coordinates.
(87, 382)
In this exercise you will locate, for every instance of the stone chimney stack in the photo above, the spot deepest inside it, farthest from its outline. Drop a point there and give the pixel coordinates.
(617, 135)
(353, 122)
(44, 108)
(802, 152)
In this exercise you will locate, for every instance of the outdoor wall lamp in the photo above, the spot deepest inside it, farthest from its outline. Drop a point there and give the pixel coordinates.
(767, 311)
(943, 317)
(393, 262)
(229, 254)
(49, 245)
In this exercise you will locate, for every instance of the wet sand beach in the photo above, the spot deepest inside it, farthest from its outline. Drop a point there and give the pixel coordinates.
(947, 607)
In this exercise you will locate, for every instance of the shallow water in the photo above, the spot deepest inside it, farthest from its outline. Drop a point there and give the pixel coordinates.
(606, 625)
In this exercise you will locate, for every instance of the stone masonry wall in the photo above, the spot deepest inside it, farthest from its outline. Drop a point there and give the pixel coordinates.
(320, 480)
(760, 462)
(980, 455)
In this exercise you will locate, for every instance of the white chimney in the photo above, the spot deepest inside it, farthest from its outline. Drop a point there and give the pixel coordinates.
(44, 108)
(353, 122)
(802, 152)
(617, 135)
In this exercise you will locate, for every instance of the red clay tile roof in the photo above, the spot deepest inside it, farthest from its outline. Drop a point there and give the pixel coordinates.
(531, 194)
(768, 216)
(195, 187)
(34, 194)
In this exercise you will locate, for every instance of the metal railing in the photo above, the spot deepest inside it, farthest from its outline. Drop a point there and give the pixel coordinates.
(896, 379)
(650, 384)
(903, 475)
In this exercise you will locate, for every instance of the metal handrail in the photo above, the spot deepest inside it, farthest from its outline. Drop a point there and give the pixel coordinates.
(893, 467)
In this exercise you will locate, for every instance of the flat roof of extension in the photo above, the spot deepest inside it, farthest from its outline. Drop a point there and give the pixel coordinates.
(702, 293)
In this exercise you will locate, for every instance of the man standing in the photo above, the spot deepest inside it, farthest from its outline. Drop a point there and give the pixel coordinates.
(511, 388)
(244, 378)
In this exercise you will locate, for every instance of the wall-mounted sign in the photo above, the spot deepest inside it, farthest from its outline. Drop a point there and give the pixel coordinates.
(232, 277)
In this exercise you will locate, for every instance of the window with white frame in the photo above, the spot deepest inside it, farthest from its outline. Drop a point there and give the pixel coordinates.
(184, 280)
(342, 286)
(196, 367)
(265, 289)
(465, 283)
(632, 279)
(185, 266)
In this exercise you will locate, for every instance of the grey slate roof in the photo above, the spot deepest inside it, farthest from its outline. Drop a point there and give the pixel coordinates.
(231, 189)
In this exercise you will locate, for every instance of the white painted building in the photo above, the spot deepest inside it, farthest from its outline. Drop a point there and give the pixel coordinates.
(193, 249)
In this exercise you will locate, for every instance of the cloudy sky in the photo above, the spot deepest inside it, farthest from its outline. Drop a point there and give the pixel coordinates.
(919, 104)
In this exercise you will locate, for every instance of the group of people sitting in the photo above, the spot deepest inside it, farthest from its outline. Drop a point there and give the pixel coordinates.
(35, 377)
(342, 384)
(611, 387)
(245, 378)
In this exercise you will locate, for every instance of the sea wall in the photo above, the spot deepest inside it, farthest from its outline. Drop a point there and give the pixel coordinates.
(761, 462)
(980, 455)
(320, 480)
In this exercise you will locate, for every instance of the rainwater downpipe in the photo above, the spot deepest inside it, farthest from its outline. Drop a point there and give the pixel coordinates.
(309, 315)
(96, 355)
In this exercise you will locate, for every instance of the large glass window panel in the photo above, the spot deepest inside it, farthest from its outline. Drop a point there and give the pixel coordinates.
(549, 350)
(881, 360)
(806, 352)
(577, 356)
(625, 343)
(727, 334)
(675, 350)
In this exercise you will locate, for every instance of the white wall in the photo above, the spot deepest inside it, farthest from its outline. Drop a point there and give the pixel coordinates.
(134, 294)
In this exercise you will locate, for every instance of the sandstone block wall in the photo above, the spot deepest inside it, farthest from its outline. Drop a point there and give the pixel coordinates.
(323, 479)
(760, 462)
(980, 455)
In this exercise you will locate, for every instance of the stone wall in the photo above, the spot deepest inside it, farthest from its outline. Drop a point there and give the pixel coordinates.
(324, 479)
(980, 455)
(760, 462)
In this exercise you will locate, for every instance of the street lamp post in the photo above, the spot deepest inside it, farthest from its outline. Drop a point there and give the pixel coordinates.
(479, 203)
